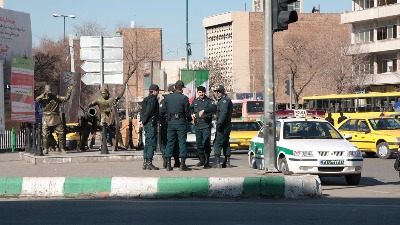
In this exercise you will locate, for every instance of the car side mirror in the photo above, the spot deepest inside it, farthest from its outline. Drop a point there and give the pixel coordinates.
(348, 136)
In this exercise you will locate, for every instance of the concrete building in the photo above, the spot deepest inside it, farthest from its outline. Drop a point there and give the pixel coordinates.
(258, 6)
(375, 30)
(237, 39)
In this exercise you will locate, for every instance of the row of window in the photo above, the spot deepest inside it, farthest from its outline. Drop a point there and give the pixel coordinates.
(367, 4)
(363, 34)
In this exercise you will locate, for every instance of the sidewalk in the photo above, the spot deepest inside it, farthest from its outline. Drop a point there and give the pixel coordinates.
(112, 177)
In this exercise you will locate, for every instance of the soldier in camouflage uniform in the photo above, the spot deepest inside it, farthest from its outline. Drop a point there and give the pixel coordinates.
(51, 120)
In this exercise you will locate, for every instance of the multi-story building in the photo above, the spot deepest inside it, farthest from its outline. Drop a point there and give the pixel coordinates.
(237, 40)
(258, 6)
(375, 31)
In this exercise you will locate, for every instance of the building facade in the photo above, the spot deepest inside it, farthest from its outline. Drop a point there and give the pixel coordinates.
(375, 31)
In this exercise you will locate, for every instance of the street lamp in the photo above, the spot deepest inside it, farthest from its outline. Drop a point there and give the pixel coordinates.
(58, 15)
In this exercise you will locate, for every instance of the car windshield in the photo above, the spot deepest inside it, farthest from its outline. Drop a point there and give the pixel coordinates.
(384, 124)
(310, 130)
(246, 126)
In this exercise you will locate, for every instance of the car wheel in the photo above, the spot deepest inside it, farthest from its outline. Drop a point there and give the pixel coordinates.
(283, 166)
(383, 150)
(370, 154)
(252, 161)
(353, 179)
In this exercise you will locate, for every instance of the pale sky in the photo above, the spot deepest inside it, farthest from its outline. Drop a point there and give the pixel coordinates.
(170, 15)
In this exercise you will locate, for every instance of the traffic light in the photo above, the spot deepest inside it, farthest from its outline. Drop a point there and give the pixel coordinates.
(281, 17)
(287, 87)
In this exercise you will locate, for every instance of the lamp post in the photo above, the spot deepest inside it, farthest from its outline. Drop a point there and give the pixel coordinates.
(64, 16)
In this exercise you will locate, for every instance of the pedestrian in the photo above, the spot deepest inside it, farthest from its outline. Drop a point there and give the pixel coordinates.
(341, 118)
(51, 120)
(164, 126)
(397, 163)
(224, 127)
(330, 119)
(149, 120)
(178, 115)
(202, 125)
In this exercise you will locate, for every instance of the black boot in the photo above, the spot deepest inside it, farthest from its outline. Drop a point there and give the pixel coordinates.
(144, 167)
(177, 164)
(168, 166)
(202, 160)
(217, 163)
(183, 166)
(227, 162)
(207, 162)
(164, 163)
(150, 165)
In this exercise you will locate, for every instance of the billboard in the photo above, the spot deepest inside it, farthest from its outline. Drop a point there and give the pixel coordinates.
(15, 38)
(22, 90)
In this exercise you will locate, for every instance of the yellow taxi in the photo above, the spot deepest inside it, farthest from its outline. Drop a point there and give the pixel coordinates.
(373, 135)
(72, 136)
(242, 133)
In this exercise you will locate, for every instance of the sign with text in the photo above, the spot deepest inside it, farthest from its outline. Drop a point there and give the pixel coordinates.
(103, 60)
(22, 90)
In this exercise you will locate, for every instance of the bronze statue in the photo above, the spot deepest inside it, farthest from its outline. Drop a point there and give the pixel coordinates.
(51, 120)
(105, 104)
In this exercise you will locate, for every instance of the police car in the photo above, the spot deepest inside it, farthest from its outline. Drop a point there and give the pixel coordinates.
(309, 146)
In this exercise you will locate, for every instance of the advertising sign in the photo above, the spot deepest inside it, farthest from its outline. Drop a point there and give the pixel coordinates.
(22, 90)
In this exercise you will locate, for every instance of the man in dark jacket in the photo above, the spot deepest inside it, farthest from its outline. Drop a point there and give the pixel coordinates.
(149, 119)
(330, 119)
(341, 118)
(202, 125)
(178, 115)
(224, 127)
(164, 126)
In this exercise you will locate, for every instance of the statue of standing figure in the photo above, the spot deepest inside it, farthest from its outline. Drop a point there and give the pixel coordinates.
(105, 104)
(51, 120)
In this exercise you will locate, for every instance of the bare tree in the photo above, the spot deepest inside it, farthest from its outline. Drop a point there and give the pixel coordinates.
(219, 74)
(89, 28)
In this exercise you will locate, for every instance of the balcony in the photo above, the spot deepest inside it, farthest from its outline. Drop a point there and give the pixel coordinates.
(376, 46)
(380, 12)
(382, 79)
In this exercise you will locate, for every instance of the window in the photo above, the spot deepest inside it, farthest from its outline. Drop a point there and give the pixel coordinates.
(363, 4)
(386, 30)
(387, 63)
(386, 2)
(363, 33)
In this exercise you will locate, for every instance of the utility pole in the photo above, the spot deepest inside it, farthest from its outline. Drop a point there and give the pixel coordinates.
(187, 34)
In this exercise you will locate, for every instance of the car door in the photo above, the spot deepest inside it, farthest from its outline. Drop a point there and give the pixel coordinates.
(364, 136)
(350, 127)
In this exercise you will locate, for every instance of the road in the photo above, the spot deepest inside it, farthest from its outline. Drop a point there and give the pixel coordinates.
(375, 201)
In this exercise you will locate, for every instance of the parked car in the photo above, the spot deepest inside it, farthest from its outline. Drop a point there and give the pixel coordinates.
(310, 146)
(373, 135)
(241, 134)
(191, 139)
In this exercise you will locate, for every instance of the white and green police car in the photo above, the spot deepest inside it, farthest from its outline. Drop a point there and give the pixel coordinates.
(310, 146)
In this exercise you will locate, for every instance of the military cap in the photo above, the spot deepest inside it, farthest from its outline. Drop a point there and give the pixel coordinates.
(154, 87)
(171, 87)
(219, 88)
(180, 84)
(201, 88)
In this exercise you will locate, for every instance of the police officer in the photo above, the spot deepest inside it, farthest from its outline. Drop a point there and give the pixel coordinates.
(148, 119)
(202, 125)
(224, 127)
(164, 125)
(178, 115)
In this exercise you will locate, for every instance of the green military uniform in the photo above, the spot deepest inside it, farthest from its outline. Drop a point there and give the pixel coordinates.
(224, 127)
(178, 114)
(202, 125)
(51, 117)
(149, 119)
(163, 135)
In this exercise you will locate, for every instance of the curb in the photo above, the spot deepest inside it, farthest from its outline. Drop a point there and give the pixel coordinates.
(291, 187)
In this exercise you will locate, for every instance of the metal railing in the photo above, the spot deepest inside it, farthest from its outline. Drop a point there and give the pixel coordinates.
(11, 140)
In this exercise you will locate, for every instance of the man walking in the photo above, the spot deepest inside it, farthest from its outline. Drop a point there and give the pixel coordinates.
(202, 125)
(224, 127)
(178, 115)
(164, 126)
(149, 119)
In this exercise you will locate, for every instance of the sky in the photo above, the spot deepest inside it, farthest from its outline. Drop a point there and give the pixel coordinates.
(170, 15)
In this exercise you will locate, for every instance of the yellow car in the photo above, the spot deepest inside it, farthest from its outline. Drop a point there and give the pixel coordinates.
(241, 134)
(374, 135)
(72, 136)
